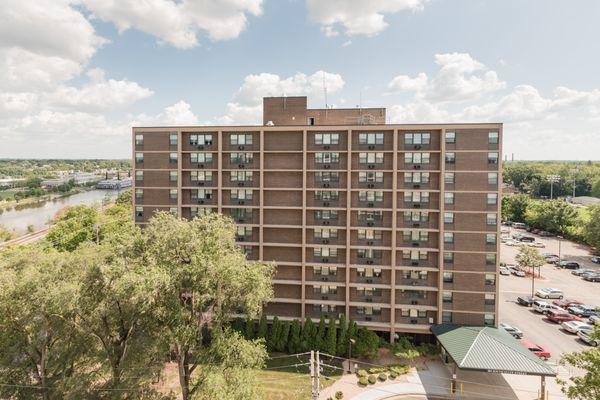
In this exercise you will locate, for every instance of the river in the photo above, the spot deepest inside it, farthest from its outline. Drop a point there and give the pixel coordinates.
(40, 214)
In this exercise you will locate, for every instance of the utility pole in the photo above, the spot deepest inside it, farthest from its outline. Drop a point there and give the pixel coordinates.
(552, 179)
(575, 172)
(314, 374)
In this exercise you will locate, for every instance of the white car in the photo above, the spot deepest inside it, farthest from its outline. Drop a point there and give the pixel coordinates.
(574, 326)
(543, 307)
(504, 271)
(585, 334)
(594, 320)
(539, 245)
(550, 293)
(512, 242)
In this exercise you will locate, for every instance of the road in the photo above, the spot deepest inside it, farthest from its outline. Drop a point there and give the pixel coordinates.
(535, 327)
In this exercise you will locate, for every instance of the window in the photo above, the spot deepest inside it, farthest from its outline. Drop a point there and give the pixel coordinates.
(139, 212)
(490, 238)
(326, 214)
(139, 139)
(416, 236)
(370, 215)
(368, 253)
(139, 194)
(448, 217)
(325, 289)
(327, 138)
(369, 234)
(488, 319)
(416, 197)
(173, 193)
(416, 177)
(244, 231)
(200, 140)
(173, 139)
(240, 139)
(327, 176)
(447, 297)
(492, 198)
(490, 279)
(326, 195)
(325, 252)
(241, 194)
(414, 274)
(448, 237)
(370, 138)
(490, 259)
(173, 158)
(173, 210)
(201, 158)
(490, 299)
(450, 158)
(327, 271)
(414, 255)
(241, 176)
(446, 317)
(448, 198)
(492, 178)
(491, 219)
(196, 211)
(173, 176)
(417, 138)
(327, 158)
(311, 121)
(449, 178)
(448, 277)
(241, 158)
(369, 195)
(201, 176)
(493, 137)
(139, 157)
(416, 216)
(370, 158)
(450, 137)
(448, 257)
(368, 272)
(139, 175)
(492, 158)
(325, 233)
(370, 177)
(416, 158)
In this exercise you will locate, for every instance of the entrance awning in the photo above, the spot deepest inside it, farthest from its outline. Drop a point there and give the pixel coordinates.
(488, 349)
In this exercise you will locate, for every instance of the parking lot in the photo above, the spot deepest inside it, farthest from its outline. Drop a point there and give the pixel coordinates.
(534, 325)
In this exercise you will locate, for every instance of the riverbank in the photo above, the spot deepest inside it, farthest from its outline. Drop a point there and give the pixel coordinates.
(11, 204)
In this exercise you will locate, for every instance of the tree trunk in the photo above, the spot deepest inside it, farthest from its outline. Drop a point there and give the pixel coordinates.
(42, 374)
(184, 373)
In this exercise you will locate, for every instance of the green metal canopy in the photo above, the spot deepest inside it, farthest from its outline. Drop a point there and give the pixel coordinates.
(488, 349)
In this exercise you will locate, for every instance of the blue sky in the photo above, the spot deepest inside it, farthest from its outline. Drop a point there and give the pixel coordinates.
(75, 75)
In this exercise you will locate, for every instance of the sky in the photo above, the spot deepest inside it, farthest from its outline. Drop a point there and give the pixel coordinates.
(76, 75)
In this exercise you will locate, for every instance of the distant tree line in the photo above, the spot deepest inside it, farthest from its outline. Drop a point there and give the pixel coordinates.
(25, 168)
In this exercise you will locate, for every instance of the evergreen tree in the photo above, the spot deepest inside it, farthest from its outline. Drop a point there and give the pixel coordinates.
(342, 341)
(309, 332)
(283, 337)
(238, 325)
(249, 334)
(330, 341)
(294, 341)
(320, 338)
(273, 336)
(351, 333)
(262, 327)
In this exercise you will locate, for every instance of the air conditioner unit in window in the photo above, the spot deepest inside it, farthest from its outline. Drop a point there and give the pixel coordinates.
(240, 147)
(417, 146)
(416, 186)
(200, 183)
(416, 224)
(240, 238)
(416, 205)
(368, 318)
(200, 147)
(413, 321)
(241, 165)
(324, 278)
(370, 223)
(414, 263)
(325, 222)
(369, 281)
(325, 241)
(417, 167)
(415, 244)
(371, 166)
(414, 302)
(370, 204)
(200, 165)
(326, 185)
(325, 260)
(369, 243)
(370, 262)
(326, 204)
(324, 297)
(368, 300)
(241, 202)
(326, 147)
(240, 183)
(370, 185)
(326, 166)
(371, 147)
(201, 201)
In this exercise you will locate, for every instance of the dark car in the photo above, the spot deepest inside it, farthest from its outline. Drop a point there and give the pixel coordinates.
(545, 234)
(569, 264)
(526, 301)
(529, 239)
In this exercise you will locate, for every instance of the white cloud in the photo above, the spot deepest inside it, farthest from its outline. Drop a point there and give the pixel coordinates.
(177, 23)
(246, 107)
(179, 113)
(357, 17)
(406, 83)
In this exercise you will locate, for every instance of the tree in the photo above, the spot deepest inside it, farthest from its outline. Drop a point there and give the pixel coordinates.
(367, 343)
(309, 332)
(330, 344)
(351, 333)
(75, 226)
(283, 337)
(209, 280)
(263, 327)
(596, 188)
(591, 229)
(514, 207)
(552, 215)
(530, 257)
(274, 334)
(586, 386)
(405, 348)
(342, 341)
(320, 336)
(294, 341)
(249, 332)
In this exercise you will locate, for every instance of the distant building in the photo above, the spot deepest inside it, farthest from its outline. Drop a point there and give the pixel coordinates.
(10, 182)
(114, 184)
(80, 178)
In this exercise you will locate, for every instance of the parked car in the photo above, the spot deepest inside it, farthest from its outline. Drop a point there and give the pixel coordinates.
(552, 260)
(507, 223)
(519, 225)
(569, 264)
(544, 307)
(539, 245)
(504, 271)
(546, 255)
(564, 303)
(592, 277)
(517, 271)
(545, 234)
(526, 301)
(550, 293)
(573, 326)
(594, 320)
(539, 350)
(512, 242)
(595, 259)
(527, 239)
(513, 330)
(561, 316)
(583, 310)
(585, 334)
(582, 271)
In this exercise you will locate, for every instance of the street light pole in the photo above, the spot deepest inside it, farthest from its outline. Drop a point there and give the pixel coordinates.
(575, 171)
(559, 242)
(350, 343)
(552, 179)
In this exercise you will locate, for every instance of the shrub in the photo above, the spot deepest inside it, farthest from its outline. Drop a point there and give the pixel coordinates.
(399, 369)
(339, 395)
(363, 381)
(372, 379)
(377, 370)
(330, 398)
(393, 375)
(382, 377)
(362, 373)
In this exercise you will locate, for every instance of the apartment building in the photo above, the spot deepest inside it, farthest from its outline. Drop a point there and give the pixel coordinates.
(394, 225)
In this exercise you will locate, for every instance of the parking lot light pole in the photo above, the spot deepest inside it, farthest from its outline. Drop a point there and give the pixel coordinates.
(559, 242)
